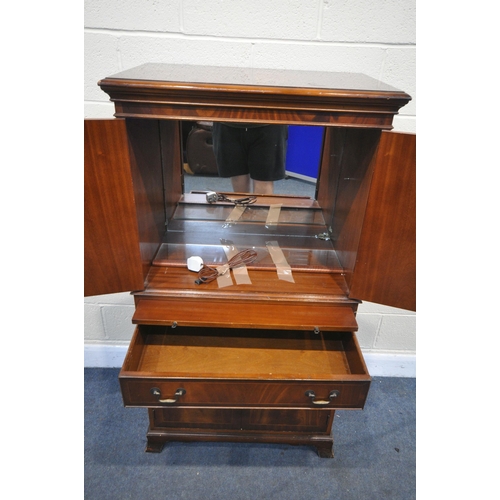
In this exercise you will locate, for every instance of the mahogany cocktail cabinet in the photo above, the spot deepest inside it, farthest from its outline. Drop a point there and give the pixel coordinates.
(267, 352)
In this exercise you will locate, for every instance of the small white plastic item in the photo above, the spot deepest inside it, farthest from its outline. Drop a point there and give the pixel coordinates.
(195, 263)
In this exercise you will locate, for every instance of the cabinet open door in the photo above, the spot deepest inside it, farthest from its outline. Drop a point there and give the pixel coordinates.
(111, 258)
(385, 268)
(132, 184)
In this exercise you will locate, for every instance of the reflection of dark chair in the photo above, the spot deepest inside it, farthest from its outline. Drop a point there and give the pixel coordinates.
(200, 151)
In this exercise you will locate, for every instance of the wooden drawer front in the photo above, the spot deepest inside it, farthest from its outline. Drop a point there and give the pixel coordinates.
(263, 315)
(240, 394)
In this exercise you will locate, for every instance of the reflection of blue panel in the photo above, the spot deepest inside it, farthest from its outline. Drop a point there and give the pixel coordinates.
(304, 150)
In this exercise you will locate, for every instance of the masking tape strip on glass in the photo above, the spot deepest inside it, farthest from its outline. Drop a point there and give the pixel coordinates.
(282, 267)
(241, 272)
(273, 215)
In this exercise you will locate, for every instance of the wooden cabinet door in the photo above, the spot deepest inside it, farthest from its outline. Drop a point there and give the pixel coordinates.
(385, 265)
(112, 257)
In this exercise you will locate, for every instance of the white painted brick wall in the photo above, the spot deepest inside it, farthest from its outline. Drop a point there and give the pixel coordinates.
(375, 38)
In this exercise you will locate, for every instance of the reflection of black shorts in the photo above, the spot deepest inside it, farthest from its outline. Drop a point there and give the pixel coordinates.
(256, 150)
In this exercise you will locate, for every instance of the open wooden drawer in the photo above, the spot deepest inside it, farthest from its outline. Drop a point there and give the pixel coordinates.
(243, 368)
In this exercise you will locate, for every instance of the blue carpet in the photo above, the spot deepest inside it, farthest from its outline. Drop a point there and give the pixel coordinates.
(374, 454)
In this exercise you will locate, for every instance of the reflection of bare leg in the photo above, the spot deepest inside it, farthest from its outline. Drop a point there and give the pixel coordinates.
(263, 187)
(241, 183)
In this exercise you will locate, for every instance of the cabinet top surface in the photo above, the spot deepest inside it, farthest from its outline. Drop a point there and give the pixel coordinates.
(193, 76)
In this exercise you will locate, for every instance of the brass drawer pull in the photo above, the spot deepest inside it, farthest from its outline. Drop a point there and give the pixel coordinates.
(322, 402)
(178, 393)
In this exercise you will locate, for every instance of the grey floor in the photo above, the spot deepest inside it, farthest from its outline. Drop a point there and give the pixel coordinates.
(374, 454)
(289, 185)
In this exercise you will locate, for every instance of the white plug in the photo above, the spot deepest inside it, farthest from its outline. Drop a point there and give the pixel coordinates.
(195, 263)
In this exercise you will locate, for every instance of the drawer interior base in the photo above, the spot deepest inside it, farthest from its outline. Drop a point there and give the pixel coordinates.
(240, 353)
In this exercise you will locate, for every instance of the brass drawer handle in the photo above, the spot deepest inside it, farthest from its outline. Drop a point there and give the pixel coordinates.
(322, 402)
(178, 393)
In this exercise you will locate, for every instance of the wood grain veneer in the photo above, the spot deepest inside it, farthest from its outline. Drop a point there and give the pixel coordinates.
(284, 420)
(248, 313)
(267, 96)
(110, 218)
(179, 283)
(385, 270)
